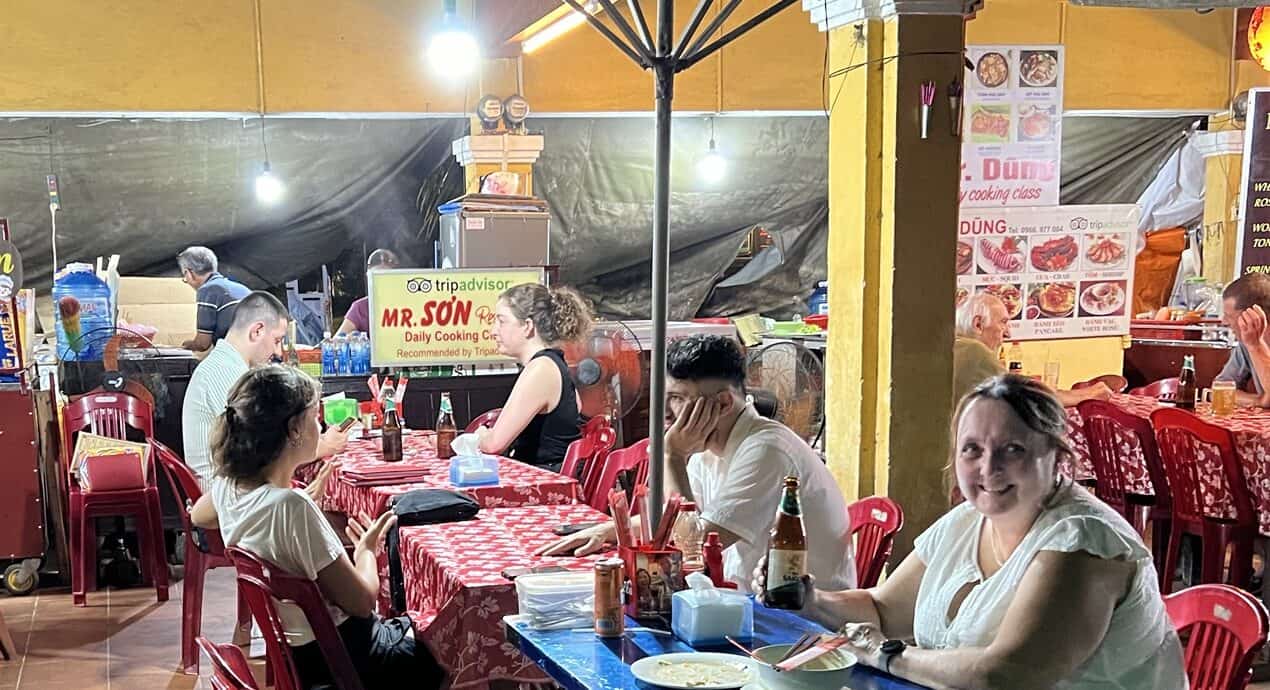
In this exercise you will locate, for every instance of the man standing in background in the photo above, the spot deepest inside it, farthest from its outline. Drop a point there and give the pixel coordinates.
(215, 295)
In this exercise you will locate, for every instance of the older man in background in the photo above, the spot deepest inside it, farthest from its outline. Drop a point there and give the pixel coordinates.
(216, 296)
(983, 324)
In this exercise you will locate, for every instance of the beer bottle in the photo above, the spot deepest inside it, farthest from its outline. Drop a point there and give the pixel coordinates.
(1186, 384)
(787, 553)
(293, 357)
(445, 429)
(391, 432)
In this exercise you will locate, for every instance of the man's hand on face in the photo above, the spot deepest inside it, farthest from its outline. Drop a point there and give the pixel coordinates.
(1251, 327)
(692, 428)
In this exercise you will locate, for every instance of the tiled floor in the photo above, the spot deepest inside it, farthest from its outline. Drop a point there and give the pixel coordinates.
(123, 639)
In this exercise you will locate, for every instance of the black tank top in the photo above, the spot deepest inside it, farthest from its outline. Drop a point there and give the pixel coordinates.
(548, 435)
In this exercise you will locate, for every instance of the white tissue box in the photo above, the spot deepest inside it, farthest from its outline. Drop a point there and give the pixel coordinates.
(474, 470)
(708, 617)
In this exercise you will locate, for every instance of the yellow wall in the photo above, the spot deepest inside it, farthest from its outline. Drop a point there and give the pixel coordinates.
(365, 55)
(1079, 359)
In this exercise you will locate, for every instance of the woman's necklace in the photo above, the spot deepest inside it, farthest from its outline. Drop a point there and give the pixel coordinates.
(996, 548)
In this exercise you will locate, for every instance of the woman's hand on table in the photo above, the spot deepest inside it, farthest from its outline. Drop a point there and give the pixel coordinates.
(864, 640)
(370, 538)
(588, 541)
(332, 442)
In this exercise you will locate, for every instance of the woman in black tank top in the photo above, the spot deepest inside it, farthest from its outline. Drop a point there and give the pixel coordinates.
(541, 417)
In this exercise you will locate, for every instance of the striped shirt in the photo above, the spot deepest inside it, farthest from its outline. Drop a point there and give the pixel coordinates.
(217, 300)
(205, 400)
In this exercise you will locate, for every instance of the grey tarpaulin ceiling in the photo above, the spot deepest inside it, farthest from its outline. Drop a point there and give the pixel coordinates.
(147, 188)
(1112, 160)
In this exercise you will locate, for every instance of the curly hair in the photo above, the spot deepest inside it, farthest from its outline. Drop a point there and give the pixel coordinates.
(559, 314)
(701, 356)
(257, 423)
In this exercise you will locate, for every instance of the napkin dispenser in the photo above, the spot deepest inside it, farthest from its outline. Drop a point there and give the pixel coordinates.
(705, 616)
(473, 470)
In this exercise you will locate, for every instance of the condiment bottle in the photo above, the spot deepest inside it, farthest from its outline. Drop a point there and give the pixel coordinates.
(687, 536)
(446, 429)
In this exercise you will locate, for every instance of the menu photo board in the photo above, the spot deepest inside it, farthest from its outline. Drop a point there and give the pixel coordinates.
(1253, 252)
(1062, 271)
(1012, 133)
(425, 317)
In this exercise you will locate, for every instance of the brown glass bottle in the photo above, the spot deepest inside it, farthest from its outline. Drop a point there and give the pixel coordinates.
(787, 553)
(1186, 384)
(446, 430)
(391, 433)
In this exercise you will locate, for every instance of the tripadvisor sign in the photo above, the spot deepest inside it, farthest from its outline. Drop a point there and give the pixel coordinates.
(421, 317)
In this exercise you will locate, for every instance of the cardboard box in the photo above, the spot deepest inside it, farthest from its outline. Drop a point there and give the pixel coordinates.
(164, 303)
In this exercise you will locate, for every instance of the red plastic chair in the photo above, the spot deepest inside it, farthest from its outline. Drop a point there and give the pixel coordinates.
(230, 670)
(265, 583)
(596, 442)
(1177, 433)
(633, 458)
(1227, 628)
(186, 488)
(486, 419)
(111, 415)
(1161, 388)
(1115, 382)
(874, 522)
(1105, 425)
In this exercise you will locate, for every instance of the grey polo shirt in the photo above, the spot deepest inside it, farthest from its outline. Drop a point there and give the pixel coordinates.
(1239, 369)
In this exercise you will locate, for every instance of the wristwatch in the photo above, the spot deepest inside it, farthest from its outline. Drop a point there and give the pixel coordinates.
(891, 649)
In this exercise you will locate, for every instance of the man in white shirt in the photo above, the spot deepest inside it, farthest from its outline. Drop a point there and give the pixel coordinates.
(254, 337)
(732, 462)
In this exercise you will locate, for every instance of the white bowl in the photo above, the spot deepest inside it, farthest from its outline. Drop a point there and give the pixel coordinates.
(828, 672)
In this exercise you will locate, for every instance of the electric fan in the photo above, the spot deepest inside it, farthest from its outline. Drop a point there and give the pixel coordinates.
(786, 382)
(609, 371)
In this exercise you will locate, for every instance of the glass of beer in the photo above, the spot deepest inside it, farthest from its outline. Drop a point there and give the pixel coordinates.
(1223, 394)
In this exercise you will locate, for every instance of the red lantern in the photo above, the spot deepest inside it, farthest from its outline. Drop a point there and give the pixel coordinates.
(1259, 37)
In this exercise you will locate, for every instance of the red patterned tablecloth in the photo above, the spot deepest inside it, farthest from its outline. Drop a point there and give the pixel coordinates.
(1249, 426)
(457, 595)
(518, 484)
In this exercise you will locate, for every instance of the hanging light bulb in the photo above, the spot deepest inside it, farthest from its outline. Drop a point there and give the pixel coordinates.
(713, 167)
(453, 51)
(269, 188)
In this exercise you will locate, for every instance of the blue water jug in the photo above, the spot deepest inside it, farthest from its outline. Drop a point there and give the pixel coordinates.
(818, 303)
(328, 355)
(83, 313)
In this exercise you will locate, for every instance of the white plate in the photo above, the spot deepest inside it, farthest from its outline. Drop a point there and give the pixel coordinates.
(649, 669)
(1102, 311)
(986, 265)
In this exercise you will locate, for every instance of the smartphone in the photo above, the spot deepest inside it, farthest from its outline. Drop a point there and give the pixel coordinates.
(344, 425)
(513, 573)
(566, 530)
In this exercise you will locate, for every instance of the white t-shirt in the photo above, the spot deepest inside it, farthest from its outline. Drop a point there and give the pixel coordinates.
(1140, 649)
(284, 527)
(741, 490)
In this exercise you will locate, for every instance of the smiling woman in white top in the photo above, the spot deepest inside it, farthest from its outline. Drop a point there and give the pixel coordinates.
(269, 428)
(1031, 583)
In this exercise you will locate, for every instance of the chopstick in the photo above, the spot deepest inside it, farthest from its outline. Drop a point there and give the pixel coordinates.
(741, 647)
(807, 641)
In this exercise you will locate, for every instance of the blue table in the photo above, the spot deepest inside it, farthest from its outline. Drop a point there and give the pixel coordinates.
(578, 660)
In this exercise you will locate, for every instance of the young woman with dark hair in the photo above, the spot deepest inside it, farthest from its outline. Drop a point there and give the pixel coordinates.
(269, 428)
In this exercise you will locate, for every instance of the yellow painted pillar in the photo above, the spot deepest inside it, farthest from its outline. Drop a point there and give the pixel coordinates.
(892, 232)
(1223, 170)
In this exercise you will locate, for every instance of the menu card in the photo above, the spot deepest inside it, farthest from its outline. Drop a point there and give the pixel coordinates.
(1062, 271)
(1011, 136)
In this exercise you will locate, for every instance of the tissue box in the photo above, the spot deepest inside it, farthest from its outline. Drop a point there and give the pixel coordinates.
(557, 601)
(473, 470)
(707, 617)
